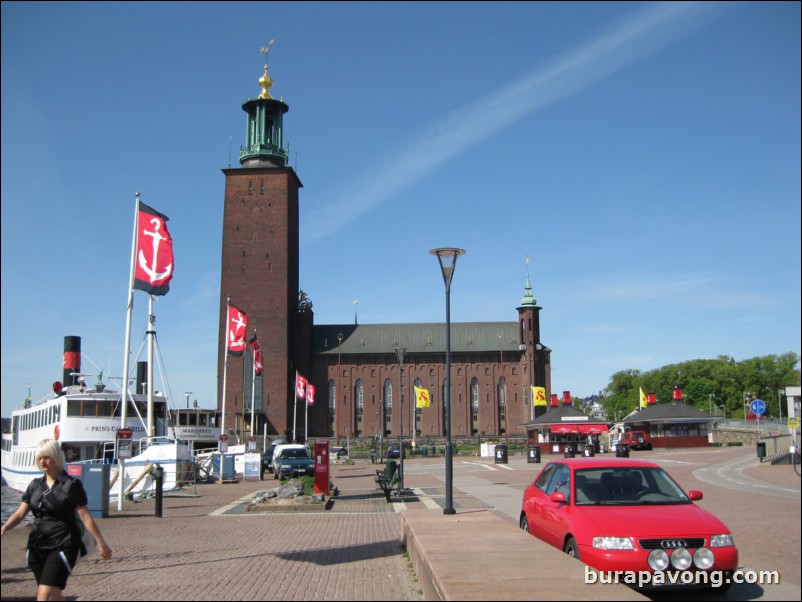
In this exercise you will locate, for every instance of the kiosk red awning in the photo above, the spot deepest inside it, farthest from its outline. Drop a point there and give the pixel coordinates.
(563, 429)
(593, 429)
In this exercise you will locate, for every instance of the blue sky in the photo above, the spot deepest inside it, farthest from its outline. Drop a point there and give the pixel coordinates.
(645, 158)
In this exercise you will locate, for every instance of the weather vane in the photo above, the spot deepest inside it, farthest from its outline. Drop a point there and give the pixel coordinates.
(266, 49)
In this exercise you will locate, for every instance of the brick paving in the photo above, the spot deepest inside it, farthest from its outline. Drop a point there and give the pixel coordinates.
(207, 548)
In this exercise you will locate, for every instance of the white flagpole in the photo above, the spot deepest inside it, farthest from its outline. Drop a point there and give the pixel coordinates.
(306, 416)
(225, 370)
(129, 311)
(294, 406)
(253, 390)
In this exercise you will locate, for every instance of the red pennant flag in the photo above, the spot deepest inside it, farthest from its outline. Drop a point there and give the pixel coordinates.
(154, 252)
(310, 394)
(257, 355)
(237, 325)
(300, 386)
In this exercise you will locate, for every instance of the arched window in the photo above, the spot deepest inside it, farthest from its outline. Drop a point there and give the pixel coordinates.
(502, 403)
(474, 396)
(388, 397)
(359, 395)
(501, 400)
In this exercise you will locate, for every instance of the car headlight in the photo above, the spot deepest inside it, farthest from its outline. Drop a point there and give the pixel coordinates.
(681, 559)
(703, 558)
(658, 560)
(719, 541)
(613, 543)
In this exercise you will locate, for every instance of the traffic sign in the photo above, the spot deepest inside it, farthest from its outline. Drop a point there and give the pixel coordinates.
(793, 422)
(125, 433)
(758, 406)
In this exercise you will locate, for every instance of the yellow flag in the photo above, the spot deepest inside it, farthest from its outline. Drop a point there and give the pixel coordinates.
(538, 396)
(422, 398)
(644, 403)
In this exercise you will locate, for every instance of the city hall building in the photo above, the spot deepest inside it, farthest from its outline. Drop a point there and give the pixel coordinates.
(354, 368)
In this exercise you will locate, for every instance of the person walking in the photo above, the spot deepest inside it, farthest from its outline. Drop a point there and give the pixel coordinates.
(54, 544)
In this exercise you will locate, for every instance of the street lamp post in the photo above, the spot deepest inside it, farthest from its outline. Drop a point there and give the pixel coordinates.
(710, 403)
(399, 354)
(337, 391)
(448, 261)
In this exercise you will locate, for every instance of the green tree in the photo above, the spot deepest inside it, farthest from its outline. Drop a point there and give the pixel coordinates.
(721, 381)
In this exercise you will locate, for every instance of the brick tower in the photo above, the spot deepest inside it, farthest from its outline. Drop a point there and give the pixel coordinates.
(538, 356)
(260, 270)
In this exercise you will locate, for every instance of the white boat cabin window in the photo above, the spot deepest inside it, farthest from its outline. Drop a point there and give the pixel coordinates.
(92, 408)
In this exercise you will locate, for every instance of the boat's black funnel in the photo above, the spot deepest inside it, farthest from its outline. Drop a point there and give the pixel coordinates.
(141, 376)
(72, 360)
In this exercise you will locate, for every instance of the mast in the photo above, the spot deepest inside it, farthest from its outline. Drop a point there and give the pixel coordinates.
(151, 334)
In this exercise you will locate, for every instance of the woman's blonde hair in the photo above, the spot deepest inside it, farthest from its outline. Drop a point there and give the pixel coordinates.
(51, 449)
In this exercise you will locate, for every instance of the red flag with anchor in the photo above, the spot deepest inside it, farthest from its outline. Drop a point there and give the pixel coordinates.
(310, 394)
(258, 362)
(300, 386)
(154, 252)
(235, 332)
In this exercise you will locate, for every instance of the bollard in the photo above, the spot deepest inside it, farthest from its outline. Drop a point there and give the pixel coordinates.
(159, 489)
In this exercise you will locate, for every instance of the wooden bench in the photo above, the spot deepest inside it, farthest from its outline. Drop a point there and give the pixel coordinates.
(388, 478)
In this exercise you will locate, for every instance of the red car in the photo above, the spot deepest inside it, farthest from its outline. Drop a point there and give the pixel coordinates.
(636, 440)
(626, 515)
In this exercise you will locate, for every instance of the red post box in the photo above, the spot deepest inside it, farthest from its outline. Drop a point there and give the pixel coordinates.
(322, 467)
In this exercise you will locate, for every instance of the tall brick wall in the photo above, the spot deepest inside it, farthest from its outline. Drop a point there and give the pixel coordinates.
(260, 274)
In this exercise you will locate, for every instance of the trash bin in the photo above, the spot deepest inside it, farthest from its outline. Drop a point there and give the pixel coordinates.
(533, 454)
(228, 467)
(761, 450)
(622, 450)
(569, 452)
(95, 479)
(501, 454)
(588, 451)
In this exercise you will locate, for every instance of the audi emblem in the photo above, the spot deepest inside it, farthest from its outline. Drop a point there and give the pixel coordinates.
(670, 544)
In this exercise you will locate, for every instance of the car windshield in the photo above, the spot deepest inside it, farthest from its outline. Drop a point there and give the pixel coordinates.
(294, 453)
(626, 486)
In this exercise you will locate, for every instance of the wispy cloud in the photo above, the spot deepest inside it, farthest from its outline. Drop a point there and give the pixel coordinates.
(624, 44)
(702, 291)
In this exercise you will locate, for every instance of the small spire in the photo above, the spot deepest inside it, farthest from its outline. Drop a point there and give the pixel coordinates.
(529, 299)
(266, 81)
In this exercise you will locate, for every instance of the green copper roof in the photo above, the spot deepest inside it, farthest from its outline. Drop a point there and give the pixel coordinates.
(529, 299)
(471, 337)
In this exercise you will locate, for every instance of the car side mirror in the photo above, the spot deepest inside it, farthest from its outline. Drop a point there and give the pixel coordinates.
(695, 495)
(558, 497)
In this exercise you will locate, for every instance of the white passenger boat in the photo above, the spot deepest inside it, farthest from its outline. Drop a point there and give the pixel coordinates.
(85, 421)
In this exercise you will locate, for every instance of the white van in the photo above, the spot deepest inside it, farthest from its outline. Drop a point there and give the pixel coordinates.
(280, 448)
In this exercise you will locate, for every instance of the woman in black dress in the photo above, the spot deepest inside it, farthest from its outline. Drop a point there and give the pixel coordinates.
(54, 544)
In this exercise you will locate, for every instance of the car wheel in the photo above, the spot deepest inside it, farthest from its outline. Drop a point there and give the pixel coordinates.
(571, 548)
(524, 524)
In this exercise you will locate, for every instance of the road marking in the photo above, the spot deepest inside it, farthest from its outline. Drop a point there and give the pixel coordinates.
(486, 466)
(425, 499)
